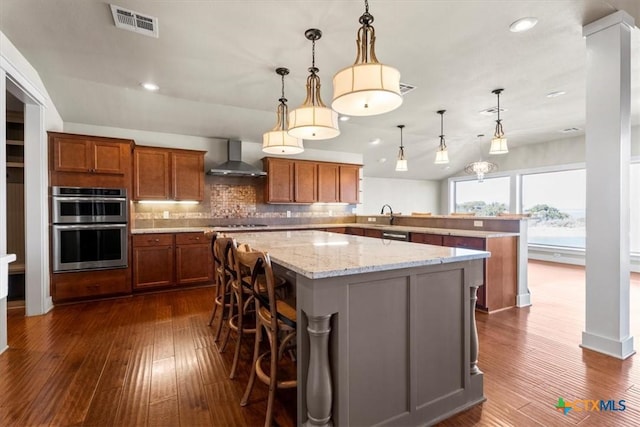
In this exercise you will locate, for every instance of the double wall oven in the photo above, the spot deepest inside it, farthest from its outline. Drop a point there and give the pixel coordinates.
(89, 228)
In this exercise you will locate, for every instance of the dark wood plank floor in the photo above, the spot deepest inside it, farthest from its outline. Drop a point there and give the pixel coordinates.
(150, 360)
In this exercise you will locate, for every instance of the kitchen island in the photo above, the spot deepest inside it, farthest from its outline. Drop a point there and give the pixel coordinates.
(386, 329)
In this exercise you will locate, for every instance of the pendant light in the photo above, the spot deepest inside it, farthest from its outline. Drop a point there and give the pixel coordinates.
(367, 87)
(313, 120)
(499, 142)
(442, 156)
(277, 140)
(401, 164)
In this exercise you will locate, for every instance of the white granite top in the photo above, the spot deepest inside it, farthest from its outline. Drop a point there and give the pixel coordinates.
(442, 231)
(319, 254)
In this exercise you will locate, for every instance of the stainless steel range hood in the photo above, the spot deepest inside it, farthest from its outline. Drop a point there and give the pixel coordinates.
(234, 166)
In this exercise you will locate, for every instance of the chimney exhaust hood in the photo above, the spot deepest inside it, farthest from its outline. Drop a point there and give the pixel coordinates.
(234, 166)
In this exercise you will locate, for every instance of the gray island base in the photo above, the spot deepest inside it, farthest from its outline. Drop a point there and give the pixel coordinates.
(386, 329)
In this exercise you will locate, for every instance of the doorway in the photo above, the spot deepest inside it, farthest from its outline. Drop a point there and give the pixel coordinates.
(14, 131)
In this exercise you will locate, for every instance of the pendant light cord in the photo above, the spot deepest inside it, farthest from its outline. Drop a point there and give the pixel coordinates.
(443, 145)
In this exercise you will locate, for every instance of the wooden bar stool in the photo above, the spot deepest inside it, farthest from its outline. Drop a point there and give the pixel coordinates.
(241, 317)
(223, 275)
(278, 319)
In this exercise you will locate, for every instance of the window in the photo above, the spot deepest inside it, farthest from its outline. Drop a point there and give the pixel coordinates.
(487, 198)
(556, 202)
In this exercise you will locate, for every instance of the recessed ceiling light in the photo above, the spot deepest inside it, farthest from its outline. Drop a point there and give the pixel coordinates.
(344, 118)
(556, 93)
(382, 160)
(523, 24)
(151, 87)
(375, 141)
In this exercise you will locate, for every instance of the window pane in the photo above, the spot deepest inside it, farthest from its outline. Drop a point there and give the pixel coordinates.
(487, 198)
(635, 207)
(556, 202)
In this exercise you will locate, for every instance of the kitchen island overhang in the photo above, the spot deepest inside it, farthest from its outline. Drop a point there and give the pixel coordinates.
(386, 329)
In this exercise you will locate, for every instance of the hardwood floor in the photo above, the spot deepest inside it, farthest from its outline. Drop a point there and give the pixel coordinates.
(150, 360)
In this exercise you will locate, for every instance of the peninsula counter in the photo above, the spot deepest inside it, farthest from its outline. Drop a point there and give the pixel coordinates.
(386, 329)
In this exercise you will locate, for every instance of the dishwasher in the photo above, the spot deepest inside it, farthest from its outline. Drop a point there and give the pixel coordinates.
(396, 235)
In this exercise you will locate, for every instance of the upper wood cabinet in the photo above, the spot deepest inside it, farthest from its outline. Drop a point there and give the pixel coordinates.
(82, 160)
(167, 174)
(279, 184)
(328, 182)
(349, 183)
(305, 181)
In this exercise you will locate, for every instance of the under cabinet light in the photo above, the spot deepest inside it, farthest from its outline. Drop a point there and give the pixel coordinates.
(168, 202)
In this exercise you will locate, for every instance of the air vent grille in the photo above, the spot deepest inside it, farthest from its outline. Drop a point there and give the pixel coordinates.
(134, 21)
(491, 111)
(406, 88)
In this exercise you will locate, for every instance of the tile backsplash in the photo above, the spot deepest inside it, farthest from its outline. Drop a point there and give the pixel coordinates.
(235, 200)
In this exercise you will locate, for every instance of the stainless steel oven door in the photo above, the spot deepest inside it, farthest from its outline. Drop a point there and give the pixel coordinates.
(74, 210)
(89, 247)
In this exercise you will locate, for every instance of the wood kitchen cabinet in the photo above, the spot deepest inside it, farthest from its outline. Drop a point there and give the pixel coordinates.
(167, 174)
(90, 284)
(82, 160)
(279, 183)
(153, 260)
(425, 238)
(306, 181)
(349, 184)
(328, 182)
(168, 259)
(193, 258)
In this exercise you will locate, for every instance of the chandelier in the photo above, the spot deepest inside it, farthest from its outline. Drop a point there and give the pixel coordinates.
(401, 164)
(367, 87)
(277, 140)
(499, 141)
(480, 168)
(313, 119)
(442, 156)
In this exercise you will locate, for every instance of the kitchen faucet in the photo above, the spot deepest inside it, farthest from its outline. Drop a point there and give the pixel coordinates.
(390, 213)
(382, 210)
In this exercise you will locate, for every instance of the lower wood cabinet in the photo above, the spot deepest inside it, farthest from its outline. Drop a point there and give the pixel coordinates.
(153, 260)
(90, 284)
(193, 259)
(163, 260)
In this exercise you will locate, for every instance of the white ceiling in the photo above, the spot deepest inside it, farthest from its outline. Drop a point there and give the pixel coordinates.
(215, 61)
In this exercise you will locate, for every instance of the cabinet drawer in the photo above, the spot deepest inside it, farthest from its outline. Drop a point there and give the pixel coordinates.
(429, 239)
(373, 233)
(91, 283)
(140, 240)
(464, 242)
(191, 239)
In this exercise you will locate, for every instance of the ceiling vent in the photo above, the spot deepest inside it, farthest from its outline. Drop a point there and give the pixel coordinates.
(491, 111)
(134, 21)
(406, 88)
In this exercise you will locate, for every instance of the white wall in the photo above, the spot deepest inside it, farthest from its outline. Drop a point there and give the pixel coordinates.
(404, 195)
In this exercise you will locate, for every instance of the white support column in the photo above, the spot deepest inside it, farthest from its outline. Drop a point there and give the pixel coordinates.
(607, 156)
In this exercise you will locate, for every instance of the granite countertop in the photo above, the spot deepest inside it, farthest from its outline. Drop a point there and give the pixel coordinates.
(317, 254)
(411, 229)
